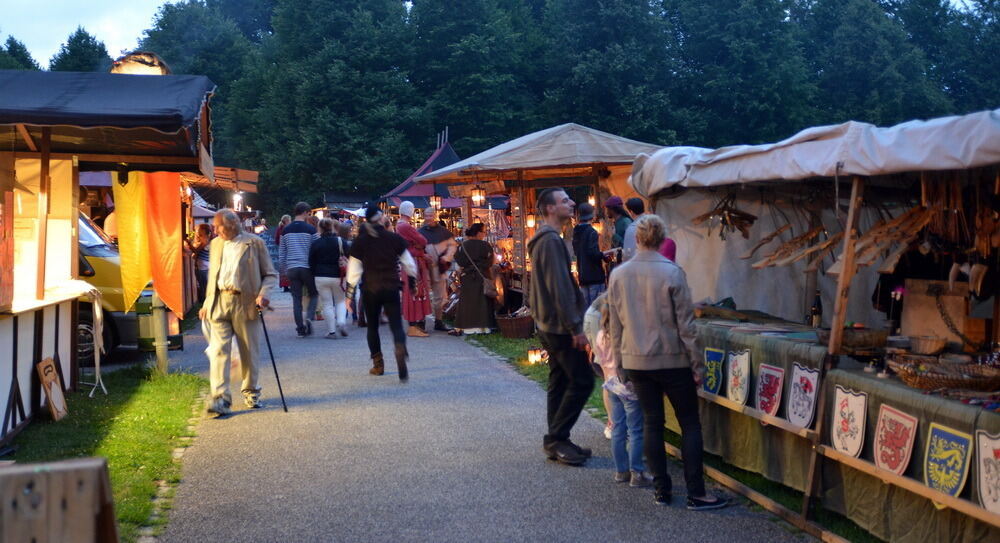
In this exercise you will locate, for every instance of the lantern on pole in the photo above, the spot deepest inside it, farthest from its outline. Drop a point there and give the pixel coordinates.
(478, 196)
(529, 220)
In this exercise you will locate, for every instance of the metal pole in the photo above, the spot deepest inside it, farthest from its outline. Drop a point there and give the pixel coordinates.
(160, 334)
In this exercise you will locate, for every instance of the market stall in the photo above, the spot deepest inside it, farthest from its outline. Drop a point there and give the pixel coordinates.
(592, 163)
(879, 224)
(53, 125)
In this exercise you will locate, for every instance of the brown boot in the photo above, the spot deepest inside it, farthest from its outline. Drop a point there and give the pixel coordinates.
(378, 365)
(401, 356)
(416, 331)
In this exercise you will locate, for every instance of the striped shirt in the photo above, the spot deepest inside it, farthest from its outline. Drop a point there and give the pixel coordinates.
(293, 251)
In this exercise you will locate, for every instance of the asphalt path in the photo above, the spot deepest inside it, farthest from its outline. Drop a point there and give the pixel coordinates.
(452, 455)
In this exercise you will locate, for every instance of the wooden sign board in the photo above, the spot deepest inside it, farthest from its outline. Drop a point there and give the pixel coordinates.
(52, 385)
(465, 191)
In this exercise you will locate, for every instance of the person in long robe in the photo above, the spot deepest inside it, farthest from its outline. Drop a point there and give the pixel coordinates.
(475, 312)
(416, 302)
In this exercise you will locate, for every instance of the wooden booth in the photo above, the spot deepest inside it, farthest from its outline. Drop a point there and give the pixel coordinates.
(54, 125)
(594, 163)
(894, 423)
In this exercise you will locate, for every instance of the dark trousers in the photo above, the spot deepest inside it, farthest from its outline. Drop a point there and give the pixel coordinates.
(202, 277)
(302, 278)
(570, 384)
(679, 386)
(374, 303)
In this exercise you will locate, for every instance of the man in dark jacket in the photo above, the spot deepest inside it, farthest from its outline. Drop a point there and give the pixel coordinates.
(557, 306)
(589, 258)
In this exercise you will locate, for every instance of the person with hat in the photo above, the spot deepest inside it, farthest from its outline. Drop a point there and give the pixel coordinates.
(589, 258)
(376, 256)
(416, 302)
(616, 211)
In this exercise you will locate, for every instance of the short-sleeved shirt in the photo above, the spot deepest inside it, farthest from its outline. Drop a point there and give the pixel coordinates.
(379, 256)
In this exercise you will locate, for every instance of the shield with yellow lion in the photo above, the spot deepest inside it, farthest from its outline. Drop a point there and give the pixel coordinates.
(946, 459)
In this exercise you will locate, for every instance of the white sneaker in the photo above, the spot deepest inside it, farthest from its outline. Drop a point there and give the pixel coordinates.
(607, 431)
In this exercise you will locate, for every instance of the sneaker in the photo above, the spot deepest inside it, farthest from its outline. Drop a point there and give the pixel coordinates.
(696, 504)
(662, 497)
(342, 329)
(309, 327)
(441, 326)
(252, 399)
(640, 479)
(331, 335)
(300, 332)
(622, 477)
(219, 407)
(607, 430)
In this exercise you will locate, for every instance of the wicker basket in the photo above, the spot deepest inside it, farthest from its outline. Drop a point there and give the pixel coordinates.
(516, 327)
(856, 339)
(927, 344)
(936, 375)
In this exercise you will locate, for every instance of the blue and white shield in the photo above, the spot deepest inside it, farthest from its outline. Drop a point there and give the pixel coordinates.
(946, 459)
(714, 361)
(738, 376)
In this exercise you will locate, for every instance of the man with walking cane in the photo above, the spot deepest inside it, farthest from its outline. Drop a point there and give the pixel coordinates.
(240, 278)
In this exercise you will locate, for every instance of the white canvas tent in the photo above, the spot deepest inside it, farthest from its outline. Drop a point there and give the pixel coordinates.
(820, 154)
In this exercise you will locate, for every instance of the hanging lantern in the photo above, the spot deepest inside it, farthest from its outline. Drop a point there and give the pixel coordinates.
(536, 355)
(435, 201)
(591, 200)
(478, 196)
(529, 220)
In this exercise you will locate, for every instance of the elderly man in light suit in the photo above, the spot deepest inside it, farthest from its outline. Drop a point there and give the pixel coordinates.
(240, 277)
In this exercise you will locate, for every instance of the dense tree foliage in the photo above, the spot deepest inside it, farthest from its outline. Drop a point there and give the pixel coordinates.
(15, 56)
(346, 95)
(82, 52)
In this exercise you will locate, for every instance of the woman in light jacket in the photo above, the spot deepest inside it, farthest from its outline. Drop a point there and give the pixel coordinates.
(654, 337)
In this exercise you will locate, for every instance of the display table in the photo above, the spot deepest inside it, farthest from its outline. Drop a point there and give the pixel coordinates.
(780, 453)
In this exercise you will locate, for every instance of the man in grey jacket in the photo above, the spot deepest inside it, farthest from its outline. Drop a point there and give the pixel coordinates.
(557, 306)
(655, 343)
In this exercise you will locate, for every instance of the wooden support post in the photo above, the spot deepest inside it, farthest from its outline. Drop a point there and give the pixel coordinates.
(74, 218)
(847, 274)
(26, 136)
(45, 185)
(814, 475)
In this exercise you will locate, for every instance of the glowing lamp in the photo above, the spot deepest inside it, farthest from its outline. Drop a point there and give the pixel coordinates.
(529, 220)
(598, 226)
(591, 200)
(237, 202)
(478, 196)
(537, 355)
(435, 201)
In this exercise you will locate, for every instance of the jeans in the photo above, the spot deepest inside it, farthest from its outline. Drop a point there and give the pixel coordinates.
(202, 277)
(678, 384)
(333, 298)
(570, 384)
(591, 292)
(374, 302)
(302, 278)
(626, 420)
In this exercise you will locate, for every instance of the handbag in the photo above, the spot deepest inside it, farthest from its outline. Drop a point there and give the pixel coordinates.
(489, 287)
(342, 263)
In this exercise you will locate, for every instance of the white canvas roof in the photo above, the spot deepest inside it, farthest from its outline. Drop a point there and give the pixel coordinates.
(564, 145)
(947, 143)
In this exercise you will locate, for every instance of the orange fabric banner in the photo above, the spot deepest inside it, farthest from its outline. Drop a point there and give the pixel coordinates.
(163, 223)
(130, 215)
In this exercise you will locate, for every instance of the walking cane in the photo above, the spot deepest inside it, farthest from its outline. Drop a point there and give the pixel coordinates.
(273, 364)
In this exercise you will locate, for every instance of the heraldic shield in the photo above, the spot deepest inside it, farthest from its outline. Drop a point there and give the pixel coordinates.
(802, 395)
(714, 374)
(850, 410)
(894, 437)
(769, 384)
(738, 376)
(988, 456)
(946, 459)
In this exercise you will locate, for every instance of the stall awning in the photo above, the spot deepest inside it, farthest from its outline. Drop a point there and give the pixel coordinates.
(234, 179)
(564, 146)
(851, 148)
(152, 123)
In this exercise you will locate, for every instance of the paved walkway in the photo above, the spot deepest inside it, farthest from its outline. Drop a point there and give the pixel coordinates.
(454, 455)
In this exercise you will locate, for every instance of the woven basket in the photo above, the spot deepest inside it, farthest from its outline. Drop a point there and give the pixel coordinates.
(516, 327)
(936, 375)
(927, 344)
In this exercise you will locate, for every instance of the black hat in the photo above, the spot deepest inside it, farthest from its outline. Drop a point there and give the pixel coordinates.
(585, 211)
(371, 211)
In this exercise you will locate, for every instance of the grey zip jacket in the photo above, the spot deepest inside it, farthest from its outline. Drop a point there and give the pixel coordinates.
(652, 316)
(556, 302)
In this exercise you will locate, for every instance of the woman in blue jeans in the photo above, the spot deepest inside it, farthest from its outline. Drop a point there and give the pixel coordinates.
(654, 338)
(623, 405)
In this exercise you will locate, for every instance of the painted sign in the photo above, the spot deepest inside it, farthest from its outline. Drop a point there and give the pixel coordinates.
(850, 409)
(769, 384)
(714, 376)
(988, 456)
(802, 395)
(946, 459)
(894, 436)
(52, 385)
(738, 376)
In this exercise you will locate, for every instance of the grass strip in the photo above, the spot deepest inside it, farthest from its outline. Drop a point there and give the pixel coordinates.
(516, 353)
(136, 427)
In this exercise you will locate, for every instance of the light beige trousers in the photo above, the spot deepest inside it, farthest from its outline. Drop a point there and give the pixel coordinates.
(228, 319)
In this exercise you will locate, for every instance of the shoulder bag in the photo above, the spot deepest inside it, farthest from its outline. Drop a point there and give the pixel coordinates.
(489, 287)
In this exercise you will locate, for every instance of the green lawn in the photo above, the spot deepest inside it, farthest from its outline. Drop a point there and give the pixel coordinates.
(136, 427)
(516, 352)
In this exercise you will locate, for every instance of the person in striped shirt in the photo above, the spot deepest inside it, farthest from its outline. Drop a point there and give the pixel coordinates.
(293, 262)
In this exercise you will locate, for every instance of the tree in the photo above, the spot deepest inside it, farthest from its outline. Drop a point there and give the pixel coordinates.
(195, 39)
(81, 53)
(20, 55)
(253, 17)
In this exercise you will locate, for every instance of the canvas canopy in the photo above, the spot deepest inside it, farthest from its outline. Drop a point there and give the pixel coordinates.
(851, 148)
(561, 146)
